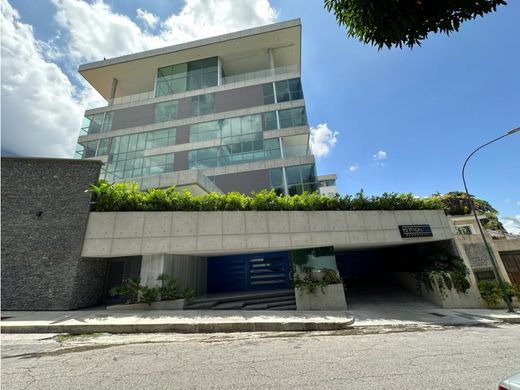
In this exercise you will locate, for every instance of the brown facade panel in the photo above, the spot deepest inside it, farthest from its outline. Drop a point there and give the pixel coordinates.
(133, 116)
(180, 162)
(182, 135)
(239, 98)
(244, 182)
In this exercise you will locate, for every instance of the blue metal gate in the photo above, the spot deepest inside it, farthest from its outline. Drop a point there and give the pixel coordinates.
(261, 271)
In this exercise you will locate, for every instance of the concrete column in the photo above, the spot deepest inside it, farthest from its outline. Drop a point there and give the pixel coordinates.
(219, 71)
(271, 61)
(151, 267)
(113, 90)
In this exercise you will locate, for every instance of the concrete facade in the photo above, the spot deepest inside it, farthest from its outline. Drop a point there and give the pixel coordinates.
(45, 209)
(111, 234)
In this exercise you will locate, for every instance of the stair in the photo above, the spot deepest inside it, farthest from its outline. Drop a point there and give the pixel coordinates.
(250, 300)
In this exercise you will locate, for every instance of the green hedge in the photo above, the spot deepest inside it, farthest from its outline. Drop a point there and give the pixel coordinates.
(127, 197)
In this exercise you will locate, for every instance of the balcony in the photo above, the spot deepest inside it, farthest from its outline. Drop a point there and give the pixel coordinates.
(148, 97)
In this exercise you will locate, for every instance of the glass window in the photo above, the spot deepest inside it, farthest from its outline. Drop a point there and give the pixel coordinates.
(270, 122)
(282, 91)
(287, 90)
(268, 93)
(301, 178)
(78, 154)
(90, 149)
(160, 138)
(203, 104)
(166, 111)
(295, 89)
(204, 131)
(107, 122)
(276, 176)
(187, 76)
(292, 117)
(104, 146)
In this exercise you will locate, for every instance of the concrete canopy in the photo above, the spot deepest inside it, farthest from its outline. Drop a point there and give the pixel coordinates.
(241, 52)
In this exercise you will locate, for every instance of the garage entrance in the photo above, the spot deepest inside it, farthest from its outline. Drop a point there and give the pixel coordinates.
(368, 275)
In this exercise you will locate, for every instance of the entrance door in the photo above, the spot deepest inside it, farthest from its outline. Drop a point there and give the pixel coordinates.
(511, 262)
(265, 271)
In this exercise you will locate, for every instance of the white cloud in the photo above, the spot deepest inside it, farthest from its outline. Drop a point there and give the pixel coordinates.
(40, 114)
(381, 155)
(511, 224)
(96, 32)
(353, 168)
(205, 18)
(41, 108)
(518, 203)
(148, 18)
(322, 139)
(378, 158)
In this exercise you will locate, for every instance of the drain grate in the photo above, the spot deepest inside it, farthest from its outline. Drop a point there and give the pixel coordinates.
(437, 314)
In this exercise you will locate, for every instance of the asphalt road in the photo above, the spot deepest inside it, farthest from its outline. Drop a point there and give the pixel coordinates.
(457, 358)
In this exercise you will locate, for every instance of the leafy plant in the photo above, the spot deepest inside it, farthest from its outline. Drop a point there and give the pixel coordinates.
(168, 289)
(148, 294)
(491, 293)
(129, 289)
(330, 276)
(408, 22)
(188, 293)
(127, 197)
(309, 284)
(444, 269)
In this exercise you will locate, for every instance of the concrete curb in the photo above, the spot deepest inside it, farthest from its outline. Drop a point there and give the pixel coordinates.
(223, 327)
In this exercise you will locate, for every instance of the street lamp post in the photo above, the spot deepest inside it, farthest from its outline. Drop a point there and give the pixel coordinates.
(472, 207)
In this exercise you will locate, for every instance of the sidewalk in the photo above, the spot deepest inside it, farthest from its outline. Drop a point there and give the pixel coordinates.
(186, 321)
(207, 321)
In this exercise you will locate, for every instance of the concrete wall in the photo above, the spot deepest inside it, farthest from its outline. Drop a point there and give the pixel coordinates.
(447, 299)
(472, 249)
(112, 234)
(44, 215)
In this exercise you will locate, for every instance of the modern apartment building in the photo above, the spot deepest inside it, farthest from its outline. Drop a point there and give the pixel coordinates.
(219, 114)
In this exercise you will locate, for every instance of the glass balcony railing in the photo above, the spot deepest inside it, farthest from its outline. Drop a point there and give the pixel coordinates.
(238, 78)
(259, 74)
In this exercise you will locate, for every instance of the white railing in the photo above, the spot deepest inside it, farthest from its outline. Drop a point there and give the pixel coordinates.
(238, 78)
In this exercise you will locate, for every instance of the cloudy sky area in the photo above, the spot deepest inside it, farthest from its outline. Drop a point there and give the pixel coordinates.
(393, 120)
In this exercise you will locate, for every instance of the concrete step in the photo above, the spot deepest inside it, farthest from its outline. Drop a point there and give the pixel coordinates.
(244, 300)
(288, 307)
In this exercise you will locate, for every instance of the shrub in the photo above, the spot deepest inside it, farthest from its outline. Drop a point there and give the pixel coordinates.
(491, 293)
(168, 289)
(127, 197)
(309, 284)
(129, 289)
(134, 292)
(446, 270)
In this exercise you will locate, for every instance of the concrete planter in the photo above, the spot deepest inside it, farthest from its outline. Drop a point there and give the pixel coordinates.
(176, 304)
(331, 297)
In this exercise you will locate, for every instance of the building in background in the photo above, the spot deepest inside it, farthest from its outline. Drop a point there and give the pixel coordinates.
(227, 110)
(328, 185)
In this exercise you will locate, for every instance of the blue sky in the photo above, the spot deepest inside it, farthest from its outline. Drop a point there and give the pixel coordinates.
(405, 119)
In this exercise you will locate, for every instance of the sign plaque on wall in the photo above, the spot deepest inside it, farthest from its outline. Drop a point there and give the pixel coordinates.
(408, 231)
